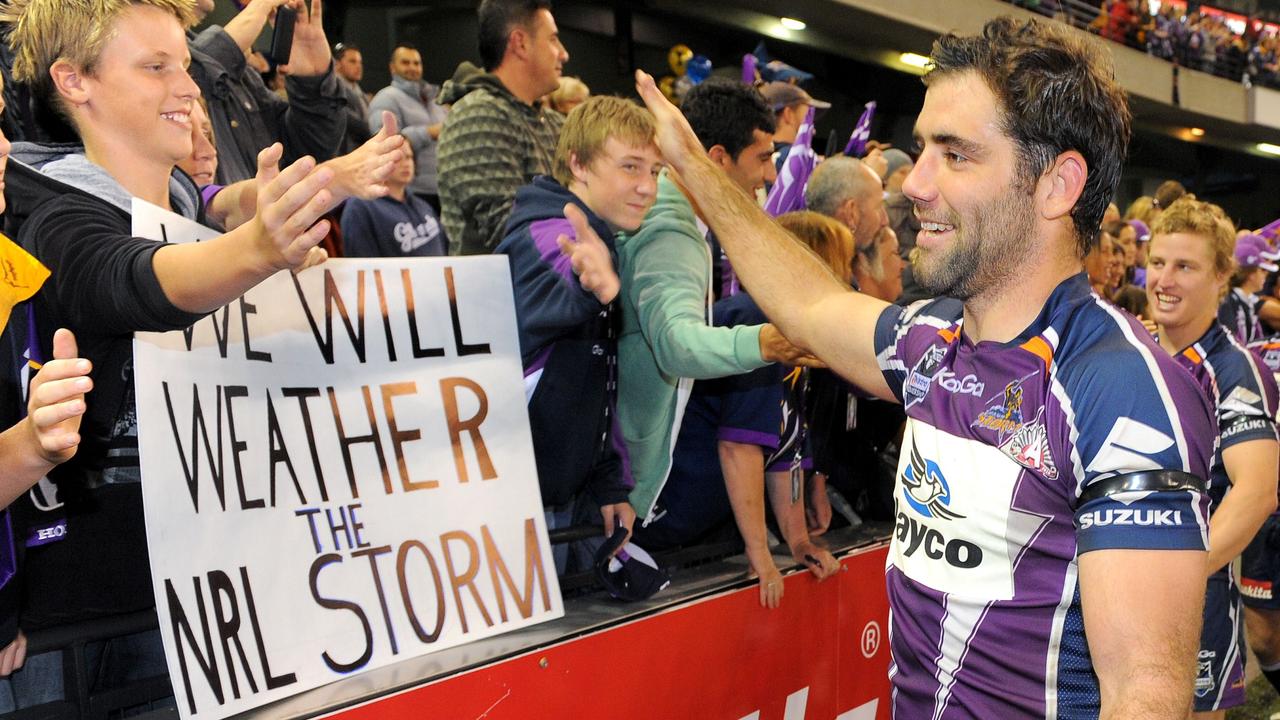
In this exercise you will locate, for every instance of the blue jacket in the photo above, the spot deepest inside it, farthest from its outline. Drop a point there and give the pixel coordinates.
(569, 349)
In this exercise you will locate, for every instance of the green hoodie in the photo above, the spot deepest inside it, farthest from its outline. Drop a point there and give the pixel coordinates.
(667, 341)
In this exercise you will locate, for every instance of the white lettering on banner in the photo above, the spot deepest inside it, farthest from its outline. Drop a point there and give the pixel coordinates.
(796, 704)
(337, 475)
(870, 639)
(865, 711)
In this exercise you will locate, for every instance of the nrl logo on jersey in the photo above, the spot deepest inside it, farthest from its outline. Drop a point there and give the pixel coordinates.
(1204, 673)
(926, 490)
(921, 376)
(1029, 447)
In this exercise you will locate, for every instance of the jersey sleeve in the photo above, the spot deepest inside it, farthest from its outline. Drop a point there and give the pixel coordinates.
(898, 348)
(1127, 408)
(1247, 400)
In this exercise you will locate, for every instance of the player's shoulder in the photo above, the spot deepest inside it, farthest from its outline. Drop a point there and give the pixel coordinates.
(1107, 359)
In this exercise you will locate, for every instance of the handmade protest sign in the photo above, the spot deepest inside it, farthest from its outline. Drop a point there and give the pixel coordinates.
(338, 474)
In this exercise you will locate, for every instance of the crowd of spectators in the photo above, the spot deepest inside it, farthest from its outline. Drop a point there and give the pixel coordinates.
(663, 404)
(1193, 39)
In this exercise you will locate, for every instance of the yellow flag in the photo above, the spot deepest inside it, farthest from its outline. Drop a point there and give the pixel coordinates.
(20, 277)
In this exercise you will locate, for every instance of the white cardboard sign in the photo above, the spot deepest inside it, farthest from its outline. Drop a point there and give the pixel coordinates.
(338, 474)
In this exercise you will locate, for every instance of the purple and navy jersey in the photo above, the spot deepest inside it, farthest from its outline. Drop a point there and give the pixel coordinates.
(1002, 440)
(1243, 392)
(1239, 313)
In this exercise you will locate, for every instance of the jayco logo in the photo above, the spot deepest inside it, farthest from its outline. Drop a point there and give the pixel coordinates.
(926, 490)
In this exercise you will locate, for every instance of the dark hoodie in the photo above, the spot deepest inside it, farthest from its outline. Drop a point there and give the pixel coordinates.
(569, 350)
(74, 218)
(491, 144)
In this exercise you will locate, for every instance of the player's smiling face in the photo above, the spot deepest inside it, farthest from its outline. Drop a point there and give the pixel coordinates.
(976, 218)
(1183, 287)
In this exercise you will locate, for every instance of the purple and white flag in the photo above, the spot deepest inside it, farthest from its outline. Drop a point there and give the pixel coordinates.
(861, 132)
(787, 193)
(749, 69)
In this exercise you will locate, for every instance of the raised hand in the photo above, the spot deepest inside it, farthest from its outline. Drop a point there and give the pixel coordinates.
(590, 257)
(310, 54)
(676, 138)
(362, 173)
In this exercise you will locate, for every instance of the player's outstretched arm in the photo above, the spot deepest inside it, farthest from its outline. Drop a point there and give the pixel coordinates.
(282, 235)
(795, 289)
(1143, 643)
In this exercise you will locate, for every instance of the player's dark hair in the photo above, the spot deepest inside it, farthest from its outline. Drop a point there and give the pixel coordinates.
(497, 19)
(726, 112)
(1058, 92)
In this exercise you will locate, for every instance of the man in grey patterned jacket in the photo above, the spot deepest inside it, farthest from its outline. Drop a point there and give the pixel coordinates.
(498, 136)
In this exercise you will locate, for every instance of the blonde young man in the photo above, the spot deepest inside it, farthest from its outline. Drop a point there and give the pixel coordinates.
(117, 70)
(1188, 269)
(606, 169)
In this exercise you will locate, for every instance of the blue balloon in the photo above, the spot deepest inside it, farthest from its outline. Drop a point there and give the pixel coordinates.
(698, 69)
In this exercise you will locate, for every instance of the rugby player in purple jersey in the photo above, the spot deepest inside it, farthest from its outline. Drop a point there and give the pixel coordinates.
(1049, 554)
(1189, 265)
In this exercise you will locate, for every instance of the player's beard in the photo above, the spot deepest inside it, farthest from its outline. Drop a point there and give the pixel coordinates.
(992, 242)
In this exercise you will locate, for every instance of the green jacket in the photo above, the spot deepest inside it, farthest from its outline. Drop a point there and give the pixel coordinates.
(667, 341)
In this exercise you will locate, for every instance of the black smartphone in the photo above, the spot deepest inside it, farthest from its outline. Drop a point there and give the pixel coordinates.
(282, 36)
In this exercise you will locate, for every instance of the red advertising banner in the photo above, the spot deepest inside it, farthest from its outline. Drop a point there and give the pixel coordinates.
(822, 655)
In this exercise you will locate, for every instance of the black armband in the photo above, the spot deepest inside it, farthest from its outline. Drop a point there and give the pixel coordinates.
(1144, 481)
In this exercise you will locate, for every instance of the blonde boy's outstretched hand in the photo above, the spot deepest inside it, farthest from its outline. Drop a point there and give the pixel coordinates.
(290, 204)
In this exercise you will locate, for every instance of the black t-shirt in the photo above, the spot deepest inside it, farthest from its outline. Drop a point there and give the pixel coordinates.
(103, 287)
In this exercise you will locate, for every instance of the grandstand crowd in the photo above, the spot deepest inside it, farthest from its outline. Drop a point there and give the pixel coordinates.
(683, 369)
(1241, 48)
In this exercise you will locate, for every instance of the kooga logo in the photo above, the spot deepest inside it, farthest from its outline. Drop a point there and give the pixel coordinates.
(1130, 516)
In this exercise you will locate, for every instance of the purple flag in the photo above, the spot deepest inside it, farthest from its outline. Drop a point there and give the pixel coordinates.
(749, 69)
(861, 132)
(787, 194)
(1269, 230)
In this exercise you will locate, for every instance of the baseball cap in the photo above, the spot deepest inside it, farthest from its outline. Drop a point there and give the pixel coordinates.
(1253, 251)
(783, 94)
(1141, 230)
(896, 159)
(631, 574)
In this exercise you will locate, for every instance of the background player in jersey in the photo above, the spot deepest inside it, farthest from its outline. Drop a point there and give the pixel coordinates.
(1035, 534)
(1260, 568)
(1188, 267)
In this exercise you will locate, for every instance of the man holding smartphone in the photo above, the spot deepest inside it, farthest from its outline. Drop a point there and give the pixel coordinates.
(248, 117)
